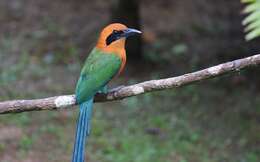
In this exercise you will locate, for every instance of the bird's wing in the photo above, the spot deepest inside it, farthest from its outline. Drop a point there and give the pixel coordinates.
(98, 70)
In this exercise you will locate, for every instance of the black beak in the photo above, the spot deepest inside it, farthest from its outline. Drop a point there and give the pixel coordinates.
(130, 32)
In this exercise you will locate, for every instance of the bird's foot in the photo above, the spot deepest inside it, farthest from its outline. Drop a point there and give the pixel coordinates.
(116, 89)
(103, 90)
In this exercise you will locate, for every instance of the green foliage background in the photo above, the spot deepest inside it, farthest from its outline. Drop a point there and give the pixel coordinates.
(252, 21)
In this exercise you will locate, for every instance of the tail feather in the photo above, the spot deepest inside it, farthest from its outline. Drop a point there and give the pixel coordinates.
(83, 130)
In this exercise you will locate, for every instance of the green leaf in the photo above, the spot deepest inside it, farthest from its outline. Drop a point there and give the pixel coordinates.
(252, 26)
(252, 20)
(253, 34)
(254, 16)
(251, 7)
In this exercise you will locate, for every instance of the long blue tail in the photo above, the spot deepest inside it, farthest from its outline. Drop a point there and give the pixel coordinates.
(83, 130)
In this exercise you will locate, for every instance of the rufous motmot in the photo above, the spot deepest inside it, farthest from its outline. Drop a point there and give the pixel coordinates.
(104, 62)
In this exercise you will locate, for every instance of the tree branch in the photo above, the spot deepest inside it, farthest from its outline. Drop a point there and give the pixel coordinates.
(60, 102)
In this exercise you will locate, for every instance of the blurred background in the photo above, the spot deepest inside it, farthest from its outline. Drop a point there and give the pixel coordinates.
(43, 44)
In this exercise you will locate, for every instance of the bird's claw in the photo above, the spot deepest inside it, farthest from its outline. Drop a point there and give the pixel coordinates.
(116, 89)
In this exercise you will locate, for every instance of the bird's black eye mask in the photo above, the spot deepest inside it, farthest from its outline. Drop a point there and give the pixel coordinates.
(115, 35)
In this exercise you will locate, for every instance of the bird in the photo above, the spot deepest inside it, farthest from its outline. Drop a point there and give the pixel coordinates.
(106, 61)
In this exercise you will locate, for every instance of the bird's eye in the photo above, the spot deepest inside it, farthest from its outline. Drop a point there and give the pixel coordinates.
(115, 31)
(115, 35)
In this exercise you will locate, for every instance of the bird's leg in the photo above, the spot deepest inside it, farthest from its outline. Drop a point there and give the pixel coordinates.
(103, 90)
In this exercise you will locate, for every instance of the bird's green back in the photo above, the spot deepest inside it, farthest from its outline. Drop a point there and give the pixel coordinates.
(98, 70)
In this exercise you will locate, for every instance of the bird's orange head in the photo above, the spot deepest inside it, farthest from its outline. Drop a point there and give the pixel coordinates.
(112, 38)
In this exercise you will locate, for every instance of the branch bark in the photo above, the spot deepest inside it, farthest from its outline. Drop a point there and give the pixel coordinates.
(60, 102)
